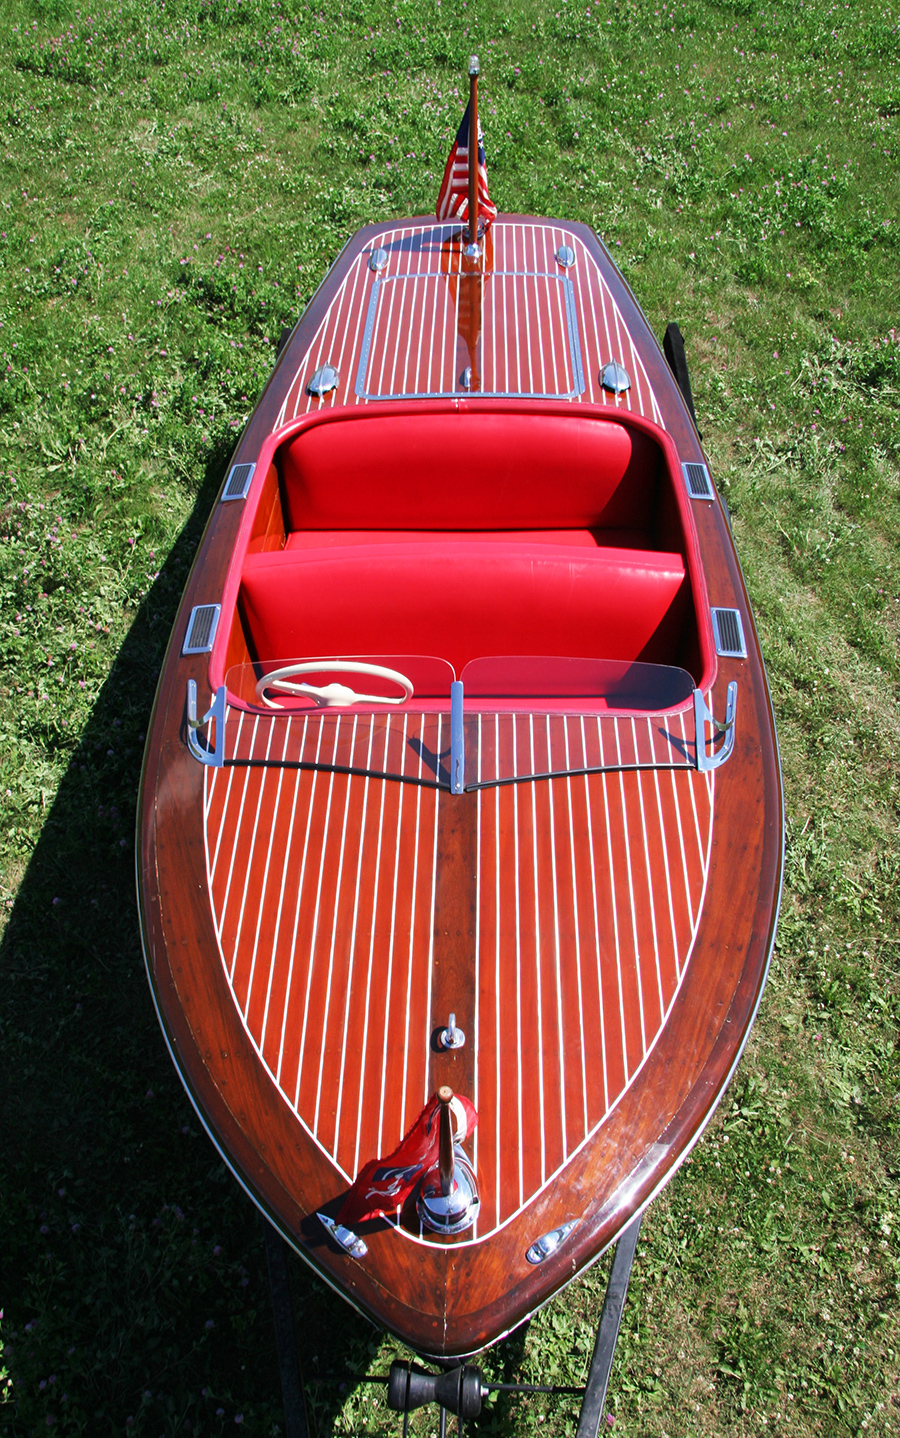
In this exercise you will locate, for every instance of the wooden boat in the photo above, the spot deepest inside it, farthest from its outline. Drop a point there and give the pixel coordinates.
(433, 795)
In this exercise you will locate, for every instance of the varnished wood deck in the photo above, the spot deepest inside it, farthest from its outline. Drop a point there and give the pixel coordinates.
(419, 303)
(329, 914)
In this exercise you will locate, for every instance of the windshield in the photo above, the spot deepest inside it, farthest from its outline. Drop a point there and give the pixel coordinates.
(415, 683)
(389, 716)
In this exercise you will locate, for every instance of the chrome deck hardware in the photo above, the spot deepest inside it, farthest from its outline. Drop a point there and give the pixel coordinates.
(549, 1242)
(728, 632)
(345, 1238)
(240, 478)
(615, 377)
(451, 1036)
(448, 1201)
(214, 756)
(697, 480)
(325, 379)
(457, 740)
(703, 715)
(201, 630)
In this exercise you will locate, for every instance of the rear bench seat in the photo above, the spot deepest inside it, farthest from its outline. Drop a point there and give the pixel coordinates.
(479, 471)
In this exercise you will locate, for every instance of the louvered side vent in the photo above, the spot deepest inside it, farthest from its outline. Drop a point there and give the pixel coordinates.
(239, 481)
(728, 632)
(201, 630)
(699, 484)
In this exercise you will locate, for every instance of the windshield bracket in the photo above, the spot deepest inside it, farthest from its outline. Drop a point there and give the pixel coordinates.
(212, 754)
(457, 740)
(708, 759)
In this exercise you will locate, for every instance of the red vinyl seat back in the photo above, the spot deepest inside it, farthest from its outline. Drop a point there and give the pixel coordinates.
(470, 600)
(477, 471)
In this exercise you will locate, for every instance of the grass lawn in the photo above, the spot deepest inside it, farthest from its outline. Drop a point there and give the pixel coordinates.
(177, 175)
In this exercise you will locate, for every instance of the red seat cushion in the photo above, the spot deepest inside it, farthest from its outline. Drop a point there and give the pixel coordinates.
(576, 538)
(475, 471)
(465, 600)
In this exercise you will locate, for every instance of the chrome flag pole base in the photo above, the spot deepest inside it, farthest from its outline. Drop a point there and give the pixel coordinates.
(455, 1211)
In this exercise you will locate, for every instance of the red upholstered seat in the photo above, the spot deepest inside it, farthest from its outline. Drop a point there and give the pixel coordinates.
(464, 599)
(480, 471)
(574, 538)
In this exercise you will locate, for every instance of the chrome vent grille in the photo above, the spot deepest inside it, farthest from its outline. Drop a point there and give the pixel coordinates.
(201, 630)
(728, 632)
(699, 484)
(239, 481)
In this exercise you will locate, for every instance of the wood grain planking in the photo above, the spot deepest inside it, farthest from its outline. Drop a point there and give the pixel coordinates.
(458, 1301)
(414, 345)
(546, 962)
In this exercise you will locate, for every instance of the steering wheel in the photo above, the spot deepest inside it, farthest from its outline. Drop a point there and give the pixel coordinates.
(331, 696)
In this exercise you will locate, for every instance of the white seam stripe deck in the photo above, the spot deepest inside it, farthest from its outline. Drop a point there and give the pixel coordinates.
(422, 301)
(588, 896)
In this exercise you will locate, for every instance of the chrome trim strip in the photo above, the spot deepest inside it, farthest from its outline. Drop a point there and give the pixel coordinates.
(457, 739)
(574, 344)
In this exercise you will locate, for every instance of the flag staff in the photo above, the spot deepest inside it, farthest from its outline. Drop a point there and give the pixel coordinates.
(471, 237)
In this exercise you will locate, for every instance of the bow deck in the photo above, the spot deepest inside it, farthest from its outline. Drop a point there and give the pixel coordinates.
(337, 904)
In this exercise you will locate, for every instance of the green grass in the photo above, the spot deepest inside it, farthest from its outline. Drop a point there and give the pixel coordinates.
(176, 177)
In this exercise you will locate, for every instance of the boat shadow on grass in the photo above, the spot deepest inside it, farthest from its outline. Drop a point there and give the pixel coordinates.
(135, 1284)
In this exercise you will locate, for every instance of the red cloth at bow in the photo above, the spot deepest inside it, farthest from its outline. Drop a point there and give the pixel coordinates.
(384, 1184)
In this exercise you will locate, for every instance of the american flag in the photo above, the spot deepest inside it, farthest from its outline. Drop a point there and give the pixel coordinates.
(453, 196)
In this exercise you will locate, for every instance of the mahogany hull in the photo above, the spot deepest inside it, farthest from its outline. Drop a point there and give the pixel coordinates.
(603, 937)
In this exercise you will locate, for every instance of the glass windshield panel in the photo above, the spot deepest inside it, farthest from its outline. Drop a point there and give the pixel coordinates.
(523, 682)
(505, 746)
(428, 679)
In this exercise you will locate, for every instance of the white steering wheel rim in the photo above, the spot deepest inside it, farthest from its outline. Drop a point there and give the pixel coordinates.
(326, 697)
